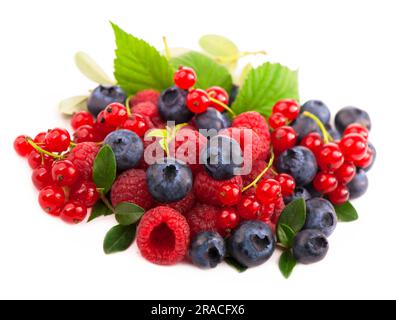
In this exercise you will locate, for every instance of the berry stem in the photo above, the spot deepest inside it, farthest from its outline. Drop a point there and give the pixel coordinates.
(326, 136)
(167, 50)
(254, 183)
(223, 105)
(42, 151)
(106, 201)
(128, 107)
(281, 246)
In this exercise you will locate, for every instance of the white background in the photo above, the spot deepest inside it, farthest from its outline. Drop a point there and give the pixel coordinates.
(346, 54)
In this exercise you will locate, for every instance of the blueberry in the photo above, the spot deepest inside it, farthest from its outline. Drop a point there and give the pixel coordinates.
(127, 146)
(313, 192)
(207, 249)
(252, 243)
(298, 193)
(349, 115)
(359, 185)
(317, 108)
(300, 163)
(333, 132)
(310, 246)
(169, 180)
(212, 119)
(102, 96)
(304, 125)
(321, 216)
(172, 105)
(234, 94)
(371, 146)
(222, 157)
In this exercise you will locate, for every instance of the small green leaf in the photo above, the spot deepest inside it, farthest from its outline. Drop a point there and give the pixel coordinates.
(346, 212)
(119, 238)
(285, 235)
(91, 69)
(99, 210)
(218, 46)
(105, 168)
(72, 105)
(293, 216)
(287, 262)
(128, 213)
(235, 264)
(244, 73)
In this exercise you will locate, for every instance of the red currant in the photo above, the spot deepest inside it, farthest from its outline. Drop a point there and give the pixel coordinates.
(268, 191)
(82, 118)
(287, 182)
(325, 182)
(249, 208)
(340, 195)
(267, 211)
(313, 141)
(137, 124)
(345, 173)
(40, 139)
(288, 107)
(185, 78)
(353, 146)
(283, 138)
(277, 120)
(357, 128)
(57, 140)
(219, 94)
(41, 177)
(22, 147)
(102, 128)
(36, 159)
(330, 157)
(52, 199)
(366, 161)
(228, 219)
(73, 212)
(85, 133)
(64, 173)
(115, 114)
(85, 192)
(229, 194)
(197, 101)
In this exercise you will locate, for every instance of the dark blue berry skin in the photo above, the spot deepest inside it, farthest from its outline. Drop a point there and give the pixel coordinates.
(321, 216)
(127, 147)
(222, 157)
(234, 94)
(207, 249)
(300, 163)
(298, 193)
(314, 193)
(349, 115)
(359, 185)
(102, 96)
(212, 119)
(371, 146)
(310, 246)
(172, 105)
(333, 132)
(169, 180)
(304, 125)
(252, 243)
(317, 108)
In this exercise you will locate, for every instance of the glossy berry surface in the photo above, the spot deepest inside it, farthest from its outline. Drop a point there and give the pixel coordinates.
(39, 139)
(104, 95)
(325, 182)
(313, 141)
(36, 159)
(57, 140)
(283, 138)
(367, 160)
(207, 249)
(22, 147)
(41, 177)
(288, 107)
(330, 157)
(321, 216)
(52, 199)
(359, 185)
(185, 78)
(268, 191)
(349, 115)
(277, 120)
(310, 246)
(212, 119)
(85, 133)
(219, 94)
(85, 192)
(137, 124)
(357, 128)
(197, 101)
(340, 195)
(64, 173)
(249, 208)
(115, 114)
(228, 219)
(287, 184)
(172, 105)
(353, 146)
(345, 173)
(317, 108)
(73, 212)
(82, 118)
(229, 194)
(299, 193)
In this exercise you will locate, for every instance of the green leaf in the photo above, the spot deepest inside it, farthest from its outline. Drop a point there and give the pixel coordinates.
(128, 213)
(91, 69)
(105, 168)
(235, 264)
(346, 212)
(218, 46)
(99, 210)
(209, 73)
(157, 133)
(119, 238)
(72, 105)
(264, 86)
(293, 216)
(285, 235)
(245, 71)
(138, 65)
(287, 262)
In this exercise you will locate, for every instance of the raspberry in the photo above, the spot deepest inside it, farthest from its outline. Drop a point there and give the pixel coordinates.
(202, 217)
(163, 236)
(145, 96)
(151, 143)
(183, 206)
(279, 206)
(83, 157)
(206, 188)
(131, 186)
(258, 167)
(150, 113)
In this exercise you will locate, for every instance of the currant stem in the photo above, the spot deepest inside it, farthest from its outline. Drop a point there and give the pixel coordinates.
(128, 107)
(106, 201)
(167, 50)
(253, 184)
(281, 246)
(326, 136)
(223, 105)
(42, 151)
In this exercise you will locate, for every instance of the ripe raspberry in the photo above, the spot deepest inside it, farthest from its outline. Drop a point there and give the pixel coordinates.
(202, 217)
(131, 186)
(257, 168)
(149, 111)
(207, 188)
(145, 96)
(183, 206)
(151, 146)
(279, 206)
(163, 236)
(83, 157)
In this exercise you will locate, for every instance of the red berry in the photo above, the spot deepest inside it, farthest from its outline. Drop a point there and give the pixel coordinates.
(73, 212)
(325, 182)
(115, 114)
(357, 128)
(287, 184)
(277, 120)
(185, 78)
(64, 173)
(345, 173)
(219, 94)
(283, 138)
(249, 208)
(330, 157)
(40, 139)
(82, 118)
(41, 177)
(366, 161)
(313, 141)
(36, 159)
(288, 107)
(340, 195)
(102, 128)
(137, 124)
(228, 219)
(22, 147)
(57, 140)
(85, 192)
(52, 199)
(229, 194)
(267, 211)
(268, 191)
(354, 146)
(197, 101)
(85, 133)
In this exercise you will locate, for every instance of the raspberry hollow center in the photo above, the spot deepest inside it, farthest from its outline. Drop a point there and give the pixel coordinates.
(162, 238)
